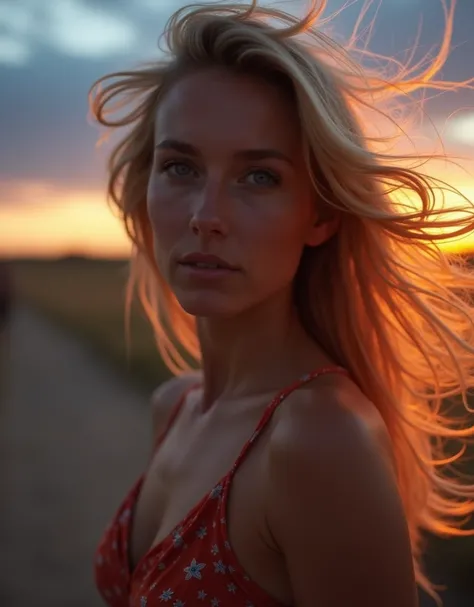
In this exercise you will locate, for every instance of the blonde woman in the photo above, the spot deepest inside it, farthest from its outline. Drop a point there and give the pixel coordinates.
(299, 464)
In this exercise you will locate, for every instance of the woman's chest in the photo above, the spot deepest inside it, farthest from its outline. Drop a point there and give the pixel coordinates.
(186, 480)
(189, 463)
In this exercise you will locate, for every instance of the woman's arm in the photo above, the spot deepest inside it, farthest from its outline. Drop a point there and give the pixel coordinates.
(335, 512)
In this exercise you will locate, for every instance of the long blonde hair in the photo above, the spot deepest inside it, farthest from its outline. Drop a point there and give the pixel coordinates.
(380, 297)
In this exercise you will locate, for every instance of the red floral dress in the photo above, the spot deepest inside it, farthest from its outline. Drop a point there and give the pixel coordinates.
(194, 564)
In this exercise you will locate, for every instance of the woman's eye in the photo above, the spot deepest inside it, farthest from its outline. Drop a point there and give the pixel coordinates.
(178, 169)
(263, 178)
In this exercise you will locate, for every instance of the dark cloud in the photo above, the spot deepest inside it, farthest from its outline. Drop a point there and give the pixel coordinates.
(43, 105)
(43, 117)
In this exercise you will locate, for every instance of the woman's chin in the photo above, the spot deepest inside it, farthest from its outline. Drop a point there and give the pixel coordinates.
(208, 306)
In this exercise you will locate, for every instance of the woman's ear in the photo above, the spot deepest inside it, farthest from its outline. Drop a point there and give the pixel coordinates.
(322, 231)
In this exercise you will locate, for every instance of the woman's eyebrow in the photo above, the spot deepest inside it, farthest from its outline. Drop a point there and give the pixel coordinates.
(250, 154)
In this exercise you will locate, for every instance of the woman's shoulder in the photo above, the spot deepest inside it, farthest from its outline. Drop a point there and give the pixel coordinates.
(329, 488)
(167, 395)
(327, 415)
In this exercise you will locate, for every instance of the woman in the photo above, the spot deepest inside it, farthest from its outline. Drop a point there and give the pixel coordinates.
(273, 255)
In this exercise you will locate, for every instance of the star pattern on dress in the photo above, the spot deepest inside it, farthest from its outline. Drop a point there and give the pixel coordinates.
(194, 570)
(166, 595)
(194, 564)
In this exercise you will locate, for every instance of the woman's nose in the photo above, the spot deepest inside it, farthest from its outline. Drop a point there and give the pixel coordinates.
(208, 217)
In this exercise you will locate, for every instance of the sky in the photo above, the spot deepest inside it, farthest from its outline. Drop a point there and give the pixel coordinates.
(52, 174)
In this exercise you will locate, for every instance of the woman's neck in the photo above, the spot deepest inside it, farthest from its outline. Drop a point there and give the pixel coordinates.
(256, 352)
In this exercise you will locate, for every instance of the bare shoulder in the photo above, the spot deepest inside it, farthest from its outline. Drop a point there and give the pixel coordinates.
(333, 506)
(331, 413)
(166, 395)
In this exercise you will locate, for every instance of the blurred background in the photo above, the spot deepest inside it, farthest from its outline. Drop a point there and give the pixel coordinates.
(74, 429)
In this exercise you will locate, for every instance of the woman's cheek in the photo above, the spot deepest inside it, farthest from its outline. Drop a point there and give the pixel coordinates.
(283, 242)
(169, 225)
(161, 210)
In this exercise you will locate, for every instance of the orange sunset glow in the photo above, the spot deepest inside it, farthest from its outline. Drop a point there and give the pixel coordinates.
(68, 222)
(64, 222)
(47, 147)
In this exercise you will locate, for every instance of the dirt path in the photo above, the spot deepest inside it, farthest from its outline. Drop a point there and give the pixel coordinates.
(73, 439)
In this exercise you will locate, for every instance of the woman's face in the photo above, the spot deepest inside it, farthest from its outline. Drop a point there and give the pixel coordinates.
(229, 180)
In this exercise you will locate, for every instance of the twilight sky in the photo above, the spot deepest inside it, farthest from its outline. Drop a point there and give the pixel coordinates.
(51, 174)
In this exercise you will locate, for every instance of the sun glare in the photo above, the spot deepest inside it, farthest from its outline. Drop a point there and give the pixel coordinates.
(461, 129)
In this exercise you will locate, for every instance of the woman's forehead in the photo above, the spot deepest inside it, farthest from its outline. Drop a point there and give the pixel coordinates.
(215, 104)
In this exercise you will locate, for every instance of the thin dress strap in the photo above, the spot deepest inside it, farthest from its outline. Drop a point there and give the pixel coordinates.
(175, 410)
(279, 398)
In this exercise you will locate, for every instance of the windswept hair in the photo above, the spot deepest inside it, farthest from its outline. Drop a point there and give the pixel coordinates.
(381, 296)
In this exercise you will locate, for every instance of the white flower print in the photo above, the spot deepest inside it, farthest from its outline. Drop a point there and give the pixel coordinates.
(202, 595)
(215, 549)
(232, 588)
(166, 595)
(177, 539)
(194, 570)
(178, 603)
(216, 492)
(143, 601)
(201, 532)
(125, 516)
(215, 602)
(231, 569)
(227, 545)
(219, 567)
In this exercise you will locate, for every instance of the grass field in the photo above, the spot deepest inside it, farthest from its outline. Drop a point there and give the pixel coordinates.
(87, 297)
